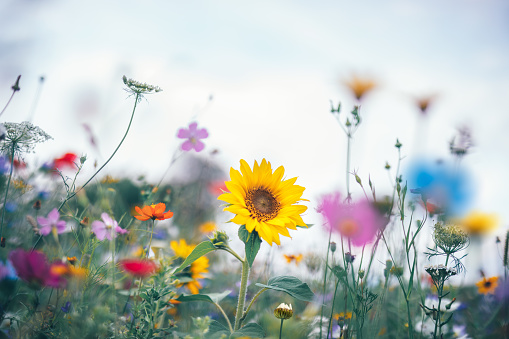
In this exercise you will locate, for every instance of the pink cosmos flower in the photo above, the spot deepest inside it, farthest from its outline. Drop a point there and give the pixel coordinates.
(358, 221)
(52, 221)
(33, 267)
(193, 136)
(102, 229)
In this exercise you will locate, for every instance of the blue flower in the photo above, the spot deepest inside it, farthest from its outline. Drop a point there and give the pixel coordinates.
(447, 187)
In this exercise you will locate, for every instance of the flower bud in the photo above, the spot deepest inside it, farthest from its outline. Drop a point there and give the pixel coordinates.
(349, 258)
(37, 205)
(333, 246)
(283, 311)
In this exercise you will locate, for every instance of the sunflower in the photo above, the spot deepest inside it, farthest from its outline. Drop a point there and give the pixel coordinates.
(486, 286)
(263, 202)
(199, 266)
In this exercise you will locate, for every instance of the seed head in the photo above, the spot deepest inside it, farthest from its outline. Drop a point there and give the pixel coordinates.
(139, 88)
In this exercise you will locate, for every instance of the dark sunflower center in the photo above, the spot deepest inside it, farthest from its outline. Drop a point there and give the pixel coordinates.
(262, 204)
(487, 284)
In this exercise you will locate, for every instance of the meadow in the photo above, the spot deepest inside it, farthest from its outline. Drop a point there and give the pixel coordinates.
(108, 257)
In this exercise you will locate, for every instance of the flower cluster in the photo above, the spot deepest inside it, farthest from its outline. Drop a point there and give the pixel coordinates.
(450, 238)
(21, 138)
(140, 88)
(440, 273)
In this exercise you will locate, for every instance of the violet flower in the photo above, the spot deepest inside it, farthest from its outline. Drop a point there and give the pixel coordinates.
(357, 221)
(193, 136)
(102, 229)
(33, 267)
(52, 221)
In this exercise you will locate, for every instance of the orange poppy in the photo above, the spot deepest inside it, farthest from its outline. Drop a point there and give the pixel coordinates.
(154, 212)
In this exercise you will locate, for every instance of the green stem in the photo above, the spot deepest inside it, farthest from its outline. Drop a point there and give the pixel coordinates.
(107, 161)
(225, 316)
(242, 294)
(7, 190)
(281, 328)
(325, 281)
(252, 301)
(348, 147)
(150, 241)
(332, 310)
(440, 291)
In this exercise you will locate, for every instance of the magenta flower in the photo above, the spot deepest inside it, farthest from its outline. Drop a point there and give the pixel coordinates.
(102, 229)
(33, 267)
(52, 221)
(193, 136)
(358, 221)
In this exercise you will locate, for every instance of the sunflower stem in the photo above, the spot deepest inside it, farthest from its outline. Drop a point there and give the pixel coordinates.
(242, 294)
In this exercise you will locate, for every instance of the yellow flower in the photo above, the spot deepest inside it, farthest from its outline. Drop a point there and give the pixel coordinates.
(486, 286)
(478, 223)
(343, 316)
(263, 202)
(208, 227)
(182, 250)
(360, 86)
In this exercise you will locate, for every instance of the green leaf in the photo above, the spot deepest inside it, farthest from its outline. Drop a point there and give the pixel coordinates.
(216, 329)
(307, 226)
(199, 251)
(290, 285)
(210, 297)
(252, 330)
(252, 241)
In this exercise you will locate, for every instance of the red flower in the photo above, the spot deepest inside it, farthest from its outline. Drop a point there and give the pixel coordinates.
(33, 267)
(138, 267)
(66, 160)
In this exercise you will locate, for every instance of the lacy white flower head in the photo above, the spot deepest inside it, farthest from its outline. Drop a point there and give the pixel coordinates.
(139, 88)
(21, 138)
(440, 273)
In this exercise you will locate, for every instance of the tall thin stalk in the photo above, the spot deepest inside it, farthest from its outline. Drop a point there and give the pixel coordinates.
(70, 196)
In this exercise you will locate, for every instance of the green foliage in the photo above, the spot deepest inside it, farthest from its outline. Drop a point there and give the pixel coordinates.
(199, 251)
(210, 297)
(252, 241)
(291, 285)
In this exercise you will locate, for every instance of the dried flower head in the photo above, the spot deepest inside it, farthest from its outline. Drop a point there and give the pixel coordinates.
(283, 311)
(462, 142)
(450, 238)
(21, 138)
(139, 88)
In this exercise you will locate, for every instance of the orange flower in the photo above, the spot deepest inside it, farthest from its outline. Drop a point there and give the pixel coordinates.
(360, 86)
(154, 212)
(486, 286)
(291, 257)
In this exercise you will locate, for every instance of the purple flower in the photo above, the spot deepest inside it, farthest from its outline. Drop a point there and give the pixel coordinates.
(33, 267)
(193, 136)
(102, 229)
(357, 221)
(6, 271)
(66, 308)
(52, 221)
